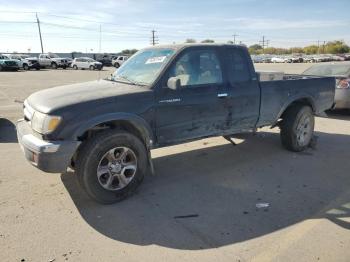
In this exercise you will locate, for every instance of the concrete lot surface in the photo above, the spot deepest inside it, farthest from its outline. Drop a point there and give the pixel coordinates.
(201, 205)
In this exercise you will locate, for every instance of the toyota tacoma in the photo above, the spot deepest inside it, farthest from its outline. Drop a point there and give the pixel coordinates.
(162, 96)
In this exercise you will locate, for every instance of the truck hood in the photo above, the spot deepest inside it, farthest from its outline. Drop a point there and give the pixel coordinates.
(52, 99)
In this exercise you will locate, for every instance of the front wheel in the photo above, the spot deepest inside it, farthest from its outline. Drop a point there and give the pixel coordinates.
(75, 67)
(297, 128)
(25, 67)
(54, 65)
(92, 67)
(111, 166)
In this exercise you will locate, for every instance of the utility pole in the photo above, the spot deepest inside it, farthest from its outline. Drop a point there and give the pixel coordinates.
(234, 38)
(99, 48)
(41, 40)
(154, 38)
(264, 43)
(318, 47)
(323, 47)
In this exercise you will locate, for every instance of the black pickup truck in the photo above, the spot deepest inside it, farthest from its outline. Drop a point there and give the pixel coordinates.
(163, 95)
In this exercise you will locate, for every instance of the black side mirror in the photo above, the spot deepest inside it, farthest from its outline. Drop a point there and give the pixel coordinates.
(174, 83)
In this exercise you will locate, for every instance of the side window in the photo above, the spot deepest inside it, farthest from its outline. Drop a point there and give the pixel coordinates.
(239, 69)
(197, 68)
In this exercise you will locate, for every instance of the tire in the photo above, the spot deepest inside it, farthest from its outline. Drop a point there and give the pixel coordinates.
(92, 67)
(64, 67)
(116, 65)
(0, 68)
(25, 67)
(91, 156)
(54, 65)
(75, 67)
(297, 128)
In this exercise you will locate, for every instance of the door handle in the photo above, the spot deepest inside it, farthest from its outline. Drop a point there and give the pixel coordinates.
(222, 95)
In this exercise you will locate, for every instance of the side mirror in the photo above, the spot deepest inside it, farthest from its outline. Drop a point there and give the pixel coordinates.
(174, 83)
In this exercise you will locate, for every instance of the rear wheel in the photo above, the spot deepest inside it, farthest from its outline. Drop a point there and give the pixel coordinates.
(297, 128)
(117, 65)
(25, 67)
(92, 67)
(111, 166)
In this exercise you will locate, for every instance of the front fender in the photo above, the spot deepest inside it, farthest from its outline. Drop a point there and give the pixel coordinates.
(133, 119)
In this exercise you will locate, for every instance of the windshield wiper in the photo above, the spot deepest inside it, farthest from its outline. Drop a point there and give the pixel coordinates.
(128, 80)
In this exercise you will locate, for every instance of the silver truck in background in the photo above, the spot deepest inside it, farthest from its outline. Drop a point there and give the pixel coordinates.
(54, 61)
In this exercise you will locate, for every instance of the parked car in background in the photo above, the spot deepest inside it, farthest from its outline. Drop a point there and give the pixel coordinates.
(8, 64)
(297, 59)
(105, 59)
(25, 62)
(119, 60)
(86, 63)
(53, 61)
(341, 71)
(280, 59)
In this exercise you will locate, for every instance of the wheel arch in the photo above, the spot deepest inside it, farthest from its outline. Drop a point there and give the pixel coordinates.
(129, 122)
(299, 100)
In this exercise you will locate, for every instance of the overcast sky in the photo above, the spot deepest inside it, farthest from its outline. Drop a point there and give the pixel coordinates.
(74, 25)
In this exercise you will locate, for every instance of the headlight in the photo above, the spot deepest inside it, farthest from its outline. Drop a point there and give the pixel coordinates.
(44, 124)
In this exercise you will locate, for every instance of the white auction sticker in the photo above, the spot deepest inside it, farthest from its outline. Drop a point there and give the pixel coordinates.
(156, 59)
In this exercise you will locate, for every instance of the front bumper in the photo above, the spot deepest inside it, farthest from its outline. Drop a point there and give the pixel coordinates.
(9, 68)
(342, 98)
(48, 156)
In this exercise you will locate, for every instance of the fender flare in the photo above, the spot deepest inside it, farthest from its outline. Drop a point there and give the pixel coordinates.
(139, 123)
(291, 100)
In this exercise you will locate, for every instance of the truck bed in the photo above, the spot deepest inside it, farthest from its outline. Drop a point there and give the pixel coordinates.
(277, 95)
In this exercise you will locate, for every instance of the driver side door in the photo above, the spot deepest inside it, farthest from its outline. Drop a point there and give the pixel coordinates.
(198, 108)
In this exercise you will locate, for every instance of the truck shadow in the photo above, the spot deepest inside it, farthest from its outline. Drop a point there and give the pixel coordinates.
(340, 114)
(7, 131)
(206, 198)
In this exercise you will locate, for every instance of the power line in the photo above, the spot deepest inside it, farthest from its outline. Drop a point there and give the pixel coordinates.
(17, 22)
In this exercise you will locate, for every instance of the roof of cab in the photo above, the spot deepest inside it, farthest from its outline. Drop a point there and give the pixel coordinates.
(181, 46)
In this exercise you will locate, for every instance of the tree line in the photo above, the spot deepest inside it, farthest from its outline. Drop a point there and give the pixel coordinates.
(331, 47)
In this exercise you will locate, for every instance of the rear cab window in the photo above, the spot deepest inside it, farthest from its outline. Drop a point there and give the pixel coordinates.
(238, 66)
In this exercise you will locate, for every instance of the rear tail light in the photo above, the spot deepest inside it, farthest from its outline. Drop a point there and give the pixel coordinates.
(343, 84)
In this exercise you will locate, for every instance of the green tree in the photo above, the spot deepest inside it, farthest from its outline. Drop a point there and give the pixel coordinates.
(208, 41)
(129, 51)
(190, 40)
(335, 47)
(255, 49)
(311, 49)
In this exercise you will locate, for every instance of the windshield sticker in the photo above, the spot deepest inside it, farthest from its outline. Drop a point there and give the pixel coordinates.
(156, 59)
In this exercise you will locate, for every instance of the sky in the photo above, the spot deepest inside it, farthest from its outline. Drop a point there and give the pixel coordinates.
(68, 25)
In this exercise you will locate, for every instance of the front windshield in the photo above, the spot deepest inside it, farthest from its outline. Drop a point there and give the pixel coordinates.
(143, 67)
(53, 56)
(328, 70)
